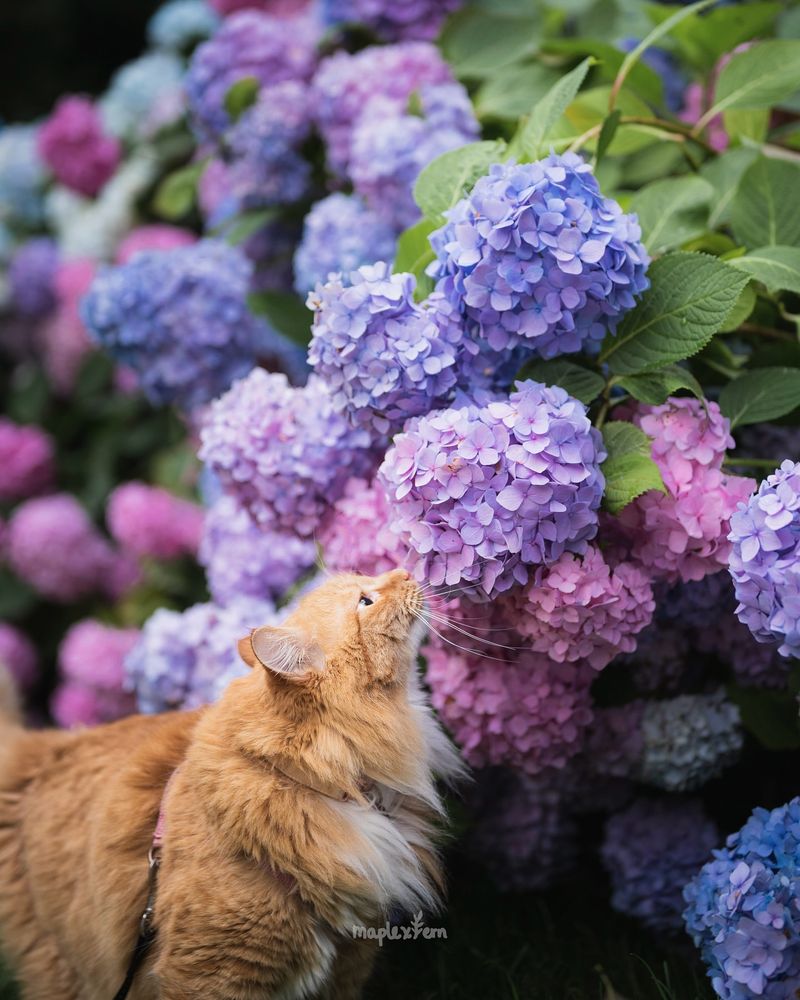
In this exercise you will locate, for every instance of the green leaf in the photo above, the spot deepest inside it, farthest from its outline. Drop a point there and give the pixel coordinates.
(247, 225)
(590, 109)
(452, 175)
(513, 90)
(672, 211)
(581, 383)
(770, 716)
(414, 253)
(241, 96)
(742, 308)
(690, 297)
(607, 133)
(547, 111)
(643, 80)
(656, 387)
(724, 173)
(776, 267)
(765, 209)
(761, 394)
(177, 193)
(757, 78)
(286, 312)
(629, 469)
(746, 123)
(477, 42)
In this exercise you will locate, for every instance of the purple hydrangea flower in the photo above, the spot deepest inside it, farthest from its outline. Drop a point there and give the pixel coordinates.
(392, 21)
(187, 658)
(150, 521)
(242, 560)
(536, 255)
(355, 535)
(390, 149)
(75, 147)
(482, 493)
(383, 356)
(340, 234)
(249, 43)
(344, 84)
(744, 908)
(765, 560)
(32, 277)
(283, 452)
(651, 849)
(27, 460)
(179, 319)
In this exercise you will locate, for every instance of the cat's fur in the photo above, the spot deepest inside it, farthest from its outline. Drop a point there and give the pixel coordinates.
(264, 870)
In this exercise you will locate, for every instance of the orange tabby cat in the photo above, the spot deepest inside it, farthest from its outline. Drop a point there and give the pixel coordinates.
(304, 804)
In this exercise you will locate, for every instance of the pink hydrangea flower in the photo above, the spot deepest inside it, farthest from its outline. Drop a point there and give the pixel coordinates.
(155, 237)
(278, 8)
(65, 342)
(75, 147)
(26, 460)
(583, 609)
(151, 521)
(18, 655)
(356, 536)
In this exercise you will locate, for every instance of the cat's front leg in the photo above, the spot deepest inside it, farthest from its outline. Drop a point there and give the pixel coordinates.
(355, 960)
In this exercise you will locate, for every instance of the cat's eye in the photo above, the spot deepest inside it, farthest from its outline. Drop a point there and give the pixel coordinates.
(365, 601)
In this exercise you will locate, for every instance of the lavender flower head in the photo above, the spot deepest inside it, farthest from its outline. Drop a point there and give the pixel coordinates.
(179, 319)
(248, 44)
(180, 24)
(480, 494)
(392, 21)
(187, 658)
(536, 255)
(242, 560)
(27, 460)
(283, 452)
(384, 357)
(355, 536)
(152, 522)
(743, 908)
(32, 277)
(651, 850)
(18, 655)
(340, 234)
(73, 144)
(765, 560)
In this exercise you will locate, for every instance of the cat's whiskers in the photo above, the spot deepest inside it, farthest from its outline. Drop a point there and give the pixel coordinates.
(466, 649)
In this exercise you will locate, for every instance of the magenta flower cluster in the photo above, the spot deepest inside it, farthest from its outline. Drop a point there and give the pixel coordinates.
(355, 535)
(148, 521)
(73, 143)
(27, 460)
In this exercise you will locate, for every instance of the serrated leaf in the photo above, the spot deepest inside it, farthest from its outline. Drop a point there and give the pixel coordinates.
(452, 175)
(690, 296)
(723, 173)
(765, 210)
(177, 193)
(672, 211)
(579, 382)
(656, 387)
(629, 469)
(776, 267)
(513, 90)
(547, 111)
(761, 394)
(758, 77)
(284, 311)
(742, 308)
(241, 96)
(477, 42)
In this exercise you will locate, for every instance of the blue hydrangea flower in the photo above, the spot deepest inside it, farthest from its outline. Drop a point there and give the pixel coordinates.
(390, 149)
(241, 560)
(178, 318)
(340, 234)
(536, 255)
(482, 493)
(744, 908)
(180, 24)
(22, 177)
(249, 43)
(285, 454)
(144, 95)
(765, 560)
(391, 21)
(383, 357)
(32, 277)
(184, 659)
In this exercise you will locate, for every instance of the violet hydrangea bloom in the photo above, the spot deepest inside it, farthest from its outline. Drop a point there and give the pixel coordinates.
(482, 493)
(178, 318)
(340, 234)
(242, 560)
(344, 84)
(283, 452)
(278, 8)
(18, 655)
(355, 535)
(536, 255)
(392, 21)
(765, 560)
(248, 44)
(744, 908)
(32, 277)
(73, 143)
(150, 521)
(651, 849)
(27, 460)
(383, 356)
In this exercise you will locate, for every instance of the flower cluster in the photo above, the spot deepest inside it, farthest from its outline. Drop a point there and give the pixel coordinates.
(26, 460)
(180, 24)
(32, 277)
(536, 255)
(355, 536)
(744, 908)
(18, 655)
(153, 237)
(145, 95)
(22, 176)
(241, 560)
(340, 234)
(185, 659)
(150, 521)
(278, 8)
(64, 340)
(91, 660)
(178, 318)
(482, 493)
(73, 144)
(765, 560)
(284, 453)
(391, 21)
(651, 849)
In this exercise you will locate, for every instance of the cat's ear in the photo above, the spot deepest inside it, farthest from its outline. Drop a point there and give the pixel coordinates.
(283, 651)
